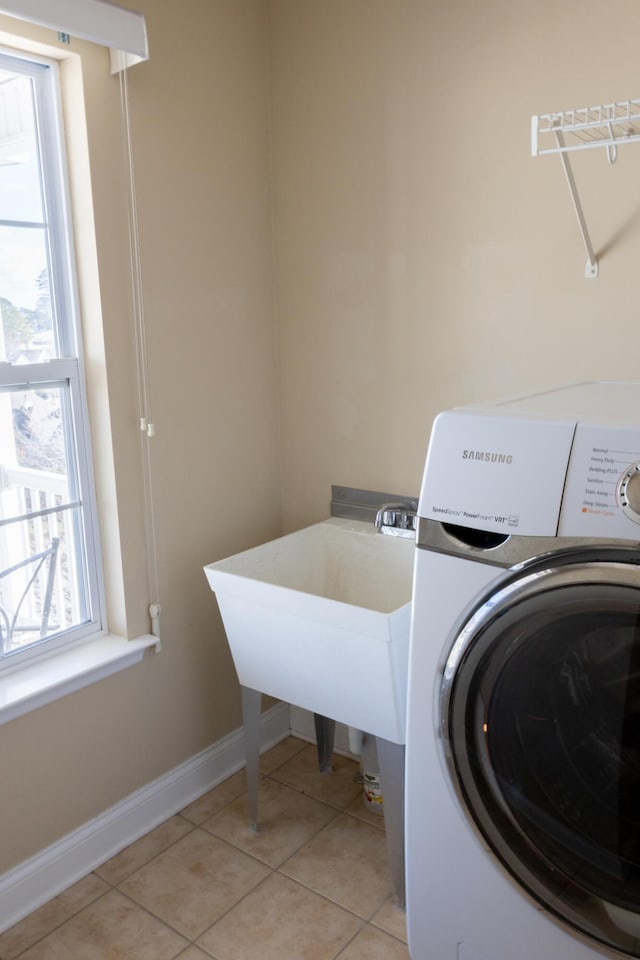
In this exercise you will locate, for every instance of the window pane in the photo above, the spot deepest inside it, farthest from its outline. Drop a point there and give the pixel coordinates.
(42, 564)
(49, 554)
(26, 331)
(20, 189)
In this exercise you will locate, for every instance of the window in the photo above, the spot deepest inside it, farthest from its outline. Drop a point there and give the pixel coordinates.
(50, 584)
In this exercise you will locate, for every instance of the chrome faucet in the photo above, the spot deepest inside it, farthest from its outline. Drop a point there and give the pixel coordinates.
(397, 519)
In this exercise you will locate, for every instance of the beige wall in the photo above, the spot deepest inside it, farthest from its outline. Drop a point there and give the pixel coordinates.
(422, 259)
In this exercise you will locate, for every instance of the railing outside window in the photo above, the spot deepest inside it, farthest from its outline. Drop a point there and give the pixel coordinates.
(49, 602)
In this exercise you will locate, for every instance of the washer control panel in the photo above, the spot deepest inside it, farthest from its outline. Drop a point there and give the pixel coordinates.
(602, 491)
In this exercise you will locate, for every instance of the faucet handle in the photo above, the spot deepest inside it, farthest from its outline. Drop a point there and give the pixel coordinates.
(386, 515)
(397, 518)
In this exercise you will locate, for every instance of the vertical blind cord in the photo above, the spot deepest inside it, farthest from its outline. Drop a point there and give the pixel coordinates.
(144, 392)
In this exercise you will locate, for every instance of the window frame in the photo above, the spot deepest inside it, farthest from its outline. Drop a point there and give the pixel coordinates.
(67, 369)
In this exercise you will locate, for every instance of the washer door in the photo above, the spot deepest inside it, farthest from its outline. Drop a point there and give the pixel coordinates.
(540, 712)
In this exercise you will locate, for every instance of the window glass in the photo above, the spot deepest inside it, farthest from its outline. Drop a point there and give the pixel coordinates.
(25, 306)
(49, 588)
(20, 190)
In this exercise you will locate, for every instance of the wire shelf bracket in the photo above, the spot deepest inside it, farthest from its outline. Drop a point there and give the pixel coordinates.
(606, 126)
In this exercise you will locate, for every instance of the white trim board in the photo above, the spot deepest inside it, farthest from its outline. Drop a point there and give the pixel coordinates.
(65, 671)
(35, 881)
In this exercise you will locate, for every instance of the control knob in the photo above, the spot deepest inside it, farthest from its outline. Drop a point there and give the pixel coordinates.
(629, 492)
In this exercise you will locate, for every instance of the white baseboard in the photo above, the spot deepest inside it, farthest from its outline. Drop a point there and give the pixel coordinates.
(35, 881)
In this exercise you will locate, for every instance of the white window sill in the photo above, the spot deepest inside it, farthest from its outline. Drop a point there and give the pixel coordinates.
(63, 673)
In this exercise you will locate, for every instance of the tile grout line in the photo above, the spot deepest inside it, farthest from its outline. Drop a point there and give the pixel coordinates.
(165, 923)
(244, 896)
(337, 811)
(155, 856)
(61, 924)
(199, 826)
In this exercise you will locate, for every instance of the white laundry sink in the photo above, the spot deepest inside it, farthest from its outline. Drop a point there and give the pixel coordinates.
(320, 619)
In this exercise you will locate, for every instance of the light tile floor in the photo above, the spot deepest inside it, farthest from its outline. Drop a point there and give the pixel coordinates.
(312, 885)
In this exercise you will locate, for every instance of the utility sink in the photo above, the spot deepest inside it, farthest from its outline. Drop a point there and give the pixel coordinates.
(320, 619)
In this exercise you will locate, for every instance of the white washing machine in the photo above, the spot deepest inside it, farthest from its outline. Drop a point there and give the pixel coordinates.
(523, 739)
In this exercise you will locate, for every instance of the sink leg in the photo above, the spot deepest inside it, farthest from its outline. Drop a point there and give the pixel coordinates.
(251, 717)
(325, 736)
(391, 760)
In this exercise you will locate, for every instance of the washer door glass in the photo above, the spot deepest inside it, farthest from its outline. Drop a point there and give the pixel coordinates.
(541, 721)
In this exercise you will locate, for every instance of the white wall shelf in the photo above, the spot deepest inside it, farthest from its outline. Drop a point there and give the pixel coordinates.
(606, 126)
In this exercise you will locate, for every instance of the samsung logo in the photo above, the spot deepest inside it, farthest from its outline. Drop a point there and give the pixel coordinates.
(487, 456)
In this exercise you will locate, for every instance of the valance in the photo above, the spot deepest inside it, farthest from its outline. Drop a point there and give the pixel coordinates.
(124, 31)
